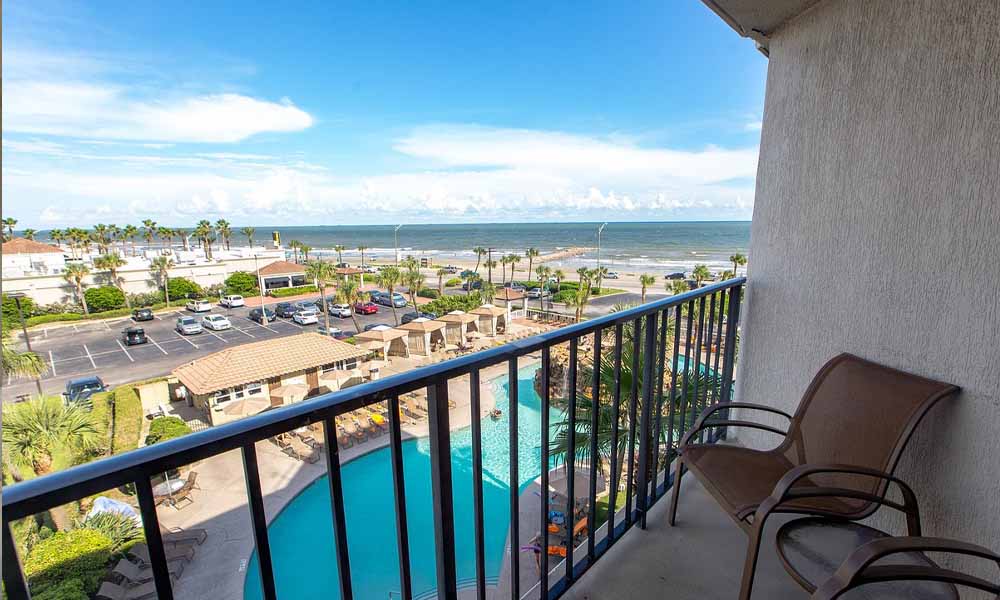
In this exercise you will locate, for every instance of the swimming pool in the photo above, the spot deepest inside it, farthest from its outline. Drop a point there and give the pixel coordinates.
(301, 536)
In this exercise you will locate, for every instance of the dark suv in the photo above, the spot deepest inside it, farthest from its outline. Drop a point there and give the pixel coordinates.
(285, 310)
(80, 390)
(416, 315)
(259, 314)
(142, 314)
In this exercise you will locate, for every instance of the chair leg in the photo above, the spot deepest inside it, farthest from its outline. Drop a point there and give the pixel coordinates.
(750, 564)
(675, 496)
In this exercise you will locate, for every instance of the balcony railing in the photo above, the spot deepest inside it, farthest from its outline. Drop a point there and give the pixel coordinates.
(703, 326)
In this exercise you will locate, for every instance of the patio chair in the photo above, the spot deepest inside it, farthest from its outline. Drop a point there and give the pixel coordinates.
(135, 574)
(184, 493)
(836, 459)
(140, 552)
(113, 591)
(342, 438)
(179, 536)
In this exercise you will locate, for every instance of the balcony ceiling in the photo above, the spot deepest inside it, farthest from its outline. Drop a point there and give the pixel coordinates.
(757, 19)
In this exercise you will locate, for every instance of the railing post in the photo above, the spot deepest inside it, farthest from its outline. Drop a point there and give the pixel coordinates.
(729, 361)
(648, 359)
(255, 500)
(444, 514)
(154, 540)
(13, 575)
(335, 483)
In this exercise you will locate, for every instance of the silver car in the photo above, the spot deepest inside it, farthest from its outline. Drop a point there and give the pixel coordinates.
(188, 326)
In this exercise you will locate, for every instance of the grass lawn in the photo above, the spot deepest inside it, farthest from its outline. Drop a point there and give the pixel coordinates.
(601, 512)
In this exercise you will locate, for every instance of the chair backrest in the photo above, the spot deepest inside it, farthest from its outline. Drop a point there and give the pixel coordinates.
(860, 413)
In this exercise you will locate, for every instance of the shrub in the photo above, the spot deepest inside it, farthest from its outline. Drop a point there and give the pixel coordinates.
(564, 295)
(180, 287)
(40, 319)
(428, 293)
(166, 428)
(454, 281)
(106, 297)
(123, 530)
(100, 413)
(446, 304)
(242, 283)
(145, 299)
(68, 589)
(10, 309)
(127, 420)
(293, 291)
(81, 554)
(215, 290)
(57, 308)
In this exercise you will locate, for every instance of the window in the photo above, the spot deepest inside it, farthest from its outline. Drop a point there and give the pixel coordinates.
(337, 366)
(254, 388)
(222, 396)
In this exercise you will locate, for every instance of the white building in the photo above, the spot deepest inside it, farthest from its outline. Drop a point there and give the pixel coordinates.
(27, 257)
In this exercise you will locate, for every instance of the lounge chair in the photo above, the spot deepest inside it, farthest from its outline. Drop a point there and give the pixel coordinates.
(136, 574)
(113, 591)
(836, 459)
(303, 451)
(342, 438)
(180, 536)
(184, 493)
(140, 552)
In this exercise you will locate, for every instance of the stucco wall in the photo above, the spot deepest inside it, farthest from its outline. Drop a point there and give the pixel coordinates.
(876, 228)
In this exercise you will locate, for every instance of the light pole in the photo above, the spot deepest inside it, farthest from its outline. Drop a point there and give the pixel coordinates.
(24, 329)
(599, 278)
(489, 264)
(260, 287)
(395, 237)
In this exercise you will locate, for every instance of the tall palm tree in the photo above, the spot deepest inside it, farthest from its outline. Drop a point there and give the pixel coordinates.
(101, 237)
(490, 265)
(21, 364)
(57, 236)
(32, 430)
(161, 266)
(488, 292)
(166, 236)
(111, 263)
(646, 280)
(677, 286)
(76, 273)
(389, 278)
(305, 249)
(480, 253)
(322, 273)
(203, 231)
(148, 231)
(295, 245)
(504, 261)
(225, 231)
(339, 249)
(543, 272)
(413, 279)
(184, 235)
(441, 273)
(559, 274)
(29, 234)
(362, 249)
(514, 259)
(9, 223)
(129, 232)
(598, 275)
(531, 254)
(349, 293)
(701, 273)
(249, 231)
(738, 260)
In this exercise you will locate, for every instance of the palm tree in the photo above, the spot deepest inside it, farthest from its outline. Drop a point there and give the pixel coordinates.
(203, 231)
(322, 273)
(101, 237)
(389, 278)
(677, 286)
(339, 249)
(111, 263)
(149, 230)
(225, 232)
(701, 273)
(29, 234)
(349, 293)
(441, 275)
(480, 253)
(514, 259)
(362, 249)
(488, 292)
(490, 265)
(646, 280)
(56, 235)
(531, 254)
(559, 274)
(129, 232)
(306, 249)
(32, 430)
(249, 231)
(184, 236)
(75, 273)
(21, 364)
(166, 236)
(413, 279)
(599, 274)
(470, 278)
(161, 265)
(738, 260)
(295, 245)
(504, 261)
(9, 223)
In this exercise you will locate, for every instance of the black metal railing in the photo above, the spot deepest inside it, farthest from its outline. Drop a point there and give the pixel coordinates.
(703, 322)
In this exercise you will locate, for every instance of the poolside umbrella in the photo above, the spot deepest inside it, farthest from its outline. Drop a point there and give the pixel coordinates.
(291, 392)
(246, 406)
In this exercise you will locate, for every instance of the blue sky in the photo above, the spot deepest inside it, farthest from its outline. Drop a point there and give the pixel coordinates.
(341, 113)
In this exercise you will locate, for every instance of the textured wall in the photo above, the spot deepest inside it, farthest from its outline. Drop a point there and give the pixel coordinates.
(876, 228)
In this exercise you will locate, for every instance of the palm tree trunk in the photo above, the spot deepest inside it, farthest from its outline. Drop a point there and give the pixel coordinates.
(166, 289)
(326, 313)
(83, 299)
(354, 317)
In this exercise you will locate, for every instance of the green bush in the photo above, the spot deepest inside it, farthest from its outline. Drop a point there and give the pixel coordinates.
(127, 421)
(293, 291)
(180, 288)
(40, 319)
(100, 413)
(68, 589)
(81, 554)
(123, 530)
(564, 295)
(146, 299)
(428, 293)
(10, 315)
(454, 281)
(166, 428)
(57, 307)
(242, 283)
(106, 297)
(445, 304)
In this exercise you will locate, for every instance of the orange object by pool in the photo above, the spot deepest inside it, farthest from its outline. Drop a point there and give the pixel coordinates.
(557, 551)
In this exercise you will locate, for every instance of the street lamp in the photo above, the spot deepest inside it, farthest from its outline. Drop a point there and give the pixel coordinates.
(599, 278)
(24, 329)
(395, 237)
(260, 287)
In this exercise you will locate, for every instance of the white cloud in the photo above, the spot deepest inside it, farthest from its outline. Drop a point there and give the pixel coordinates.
(754, 126)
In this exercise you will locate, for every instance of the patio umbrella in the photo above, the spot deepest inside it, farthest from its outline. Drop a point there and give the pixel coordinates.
(291, 390)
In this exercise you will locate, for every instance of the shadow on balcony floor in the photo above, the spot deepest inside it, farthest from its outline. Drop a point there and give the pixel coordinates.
(699, 559)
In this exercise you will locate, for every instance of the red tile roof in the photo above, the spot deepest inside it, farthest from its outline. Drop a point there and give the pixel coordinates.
(26, 246)
(282, 267)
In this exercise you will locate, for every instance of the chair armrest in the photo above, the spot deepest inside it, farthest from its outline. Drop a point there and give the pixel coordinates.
(783, 491)
(702, 422)
(857, 569)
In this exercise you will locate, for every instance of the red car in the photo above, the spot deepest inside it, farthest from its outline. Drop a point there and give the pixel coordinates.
(365, 308)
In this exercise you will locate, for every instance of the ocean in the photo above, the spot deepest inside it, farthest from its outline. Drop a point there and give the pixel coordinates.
(630, 247)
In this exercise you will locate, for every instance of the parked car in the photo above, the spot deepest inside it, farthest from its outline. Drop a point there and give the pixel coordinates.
(259, 314)
(397, 300)
(371, 326)
(142, 314)
(134, 336)
(612, 275)
(678, 276)
(188, 326)
(232, 301)
(476, 284)
(451, 269)
(517, 287)
(342, 265)
(538, 292)
(198, 306)
(339, 310)
(365, 308)
(369, 268)
(82, 388)
(306, 305)
(216, 322)
(306, 316)
(335, 332)
(285, 310)
(416, 315)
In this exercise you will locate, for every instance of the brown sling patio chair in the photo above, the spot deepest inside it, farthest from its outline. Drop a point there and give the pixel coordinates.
(836, 459)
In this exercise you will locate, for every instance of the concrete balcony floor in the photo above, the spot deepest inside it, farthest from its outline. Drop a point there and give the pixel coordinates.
(701, 558)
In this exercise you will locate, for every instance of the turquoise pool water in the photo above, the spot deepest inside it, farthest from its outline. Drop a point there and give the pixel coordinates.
(301, 537)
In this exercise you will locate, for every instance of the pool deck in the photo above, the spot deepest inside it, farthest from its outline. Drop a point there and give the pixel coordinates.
(218, 569)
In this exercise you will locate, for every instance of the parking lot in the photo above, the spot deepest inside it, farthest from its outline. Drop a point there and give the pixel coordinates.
(76, 349)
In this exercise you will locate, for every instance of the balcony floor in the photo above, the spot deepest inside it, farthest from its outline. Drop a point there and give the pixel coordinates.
(700, 558)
